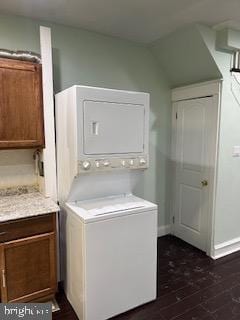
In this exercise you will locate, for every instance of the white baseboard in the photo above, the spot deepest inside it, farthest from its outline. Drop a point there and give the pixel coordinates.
(164, 230)
(225, 248)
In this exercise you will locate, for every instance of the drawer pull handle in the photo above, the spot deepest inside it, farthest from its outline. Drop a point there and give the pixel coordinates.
(3, 279)
(3, 233)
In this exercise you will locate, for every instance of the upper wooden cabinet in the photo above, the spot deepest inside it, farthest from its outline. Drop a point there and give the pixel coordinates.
(21, 106)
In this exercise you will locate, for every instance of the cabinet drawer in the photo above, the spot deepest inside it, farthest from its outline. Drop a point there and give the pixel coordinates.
(26, 227)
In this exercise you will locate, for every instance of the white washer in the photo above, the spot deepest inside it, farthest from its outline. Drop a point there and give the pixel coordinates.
(111, 255)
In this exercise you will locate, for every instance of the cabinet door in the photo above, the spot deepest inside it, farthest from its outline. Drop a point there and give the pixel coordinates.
(21, 107)
(28, 268)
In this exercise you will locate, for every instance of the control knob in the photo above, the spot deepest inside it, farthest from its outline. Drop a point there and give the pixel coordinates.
(86, 165)
(131, 162)
(97, 163)
(142, 161)
(123, 162)
(106, 163)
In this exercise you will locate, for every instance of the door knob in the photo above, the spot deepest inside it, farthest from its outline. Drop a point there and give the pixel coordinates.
(204, 183)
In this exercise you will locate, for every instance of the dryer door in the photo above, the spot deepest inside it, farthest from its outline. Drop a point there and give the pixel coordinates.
(113, 128)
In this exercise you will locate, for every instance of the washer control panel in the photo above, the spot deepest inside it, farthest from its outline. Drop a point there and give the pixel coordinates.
(103, 164)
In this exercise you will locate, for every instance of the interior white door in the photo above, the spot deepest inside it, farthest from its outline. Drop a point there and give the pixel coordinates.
(195, 132)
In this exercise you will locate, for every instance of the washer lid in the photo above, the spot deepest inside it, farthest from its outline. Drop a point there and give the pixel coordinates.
(108, 207)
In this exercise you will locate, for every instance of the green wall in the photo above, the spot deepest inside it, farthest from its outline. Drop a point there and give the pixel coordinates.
(227, 216)
(192, 55)
(87, 58)
(185, 57)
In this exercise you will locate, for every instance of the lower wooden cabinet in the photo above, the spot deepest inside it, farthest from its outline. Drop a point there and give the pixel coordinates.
(28, 266)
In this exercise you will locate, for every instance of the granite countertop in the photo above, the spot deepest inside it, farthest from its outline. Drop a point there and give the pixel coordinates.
(23, 202)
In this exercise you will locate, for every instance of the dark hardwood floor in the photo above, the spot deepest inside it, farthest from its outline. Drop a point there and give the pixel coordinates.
(191, 286)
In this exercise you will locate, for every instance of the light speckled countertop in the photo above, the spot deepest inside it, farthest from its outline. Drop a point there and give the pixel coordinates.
(23, 202)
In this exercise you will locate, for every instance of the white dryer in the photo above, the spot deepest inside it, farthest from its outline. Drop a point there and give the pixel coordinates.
(111, 255)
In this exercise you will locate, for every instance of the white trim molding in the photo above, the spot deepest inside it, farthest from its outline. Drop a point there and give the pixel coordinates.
(49, 153)
(164, 230)
(197, 90)
(226, 248)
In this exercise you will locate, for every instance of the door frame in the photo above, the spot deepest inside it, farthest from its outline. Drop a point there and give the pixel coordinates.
(195, 91)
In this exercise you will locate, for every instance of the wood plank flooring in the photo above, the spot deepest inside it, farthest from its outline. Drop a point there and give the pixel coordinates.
(191, 286)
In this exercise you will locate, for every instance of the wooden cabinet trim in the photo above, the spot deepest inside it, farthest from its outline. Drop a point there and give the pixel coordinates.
(27, 227)
(18, 65)
(19, 144)
(3, 269)
(53, 261)
(19, 242)
(34, 296)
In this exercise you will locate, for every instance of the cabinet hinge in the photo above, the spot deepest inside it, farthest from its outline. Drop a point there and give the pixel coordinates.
(173, 220)
(176, 115)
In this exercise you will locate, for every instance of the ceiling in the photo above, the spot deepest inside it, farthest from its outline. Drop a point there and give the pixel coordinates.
(139, 20)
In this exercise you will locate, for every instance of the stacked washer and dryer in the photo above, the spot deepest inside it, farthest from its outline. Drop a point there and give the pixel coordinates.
(108, 236)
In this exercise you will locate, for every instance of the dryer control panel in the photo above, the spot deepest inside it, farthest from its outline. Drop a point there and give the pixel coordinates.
(103, 164)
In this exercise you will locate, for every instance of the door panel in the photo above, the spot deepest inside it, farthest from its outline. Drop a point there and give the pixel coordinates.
(193, 149)
(186, 208)
(29, 268)
(193, 125)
